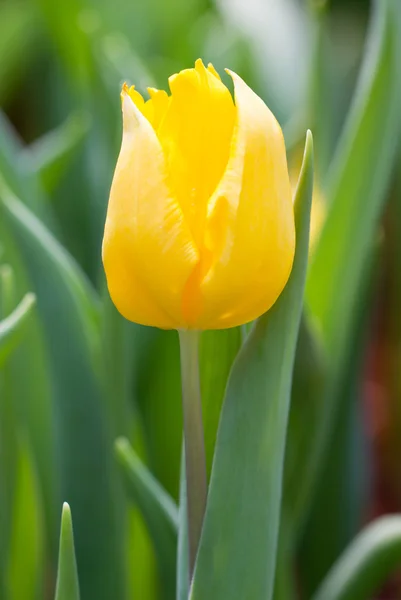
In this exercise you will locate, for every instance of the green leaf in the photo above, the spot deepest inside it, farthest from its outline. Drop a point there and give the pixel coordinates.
(26, 553)
(12, 326)
(49, 156)
(285, 587)
(13, 175)
(143, 574)
(68, 23)
(18, 43)
(22, 457)
(307, 386)
(359, 179)
(68, 308)
(143, 570)
(25, 375)
(117, 354)
(182, 547)
(366, 563)
(158, 510)
(217, 350)
(67, 587)
(157, 389)
(339, 499)
(238, 546)
(42, 247)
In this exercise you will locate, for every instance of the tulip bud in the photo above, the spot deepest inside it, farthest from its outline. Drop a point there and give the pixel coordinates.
(199, 231)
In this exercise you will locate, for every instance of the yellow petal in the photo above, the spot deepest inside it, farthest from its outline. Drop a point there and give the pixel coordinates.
(148, 250)
(160, 102)
(195, 134)
(250, 230)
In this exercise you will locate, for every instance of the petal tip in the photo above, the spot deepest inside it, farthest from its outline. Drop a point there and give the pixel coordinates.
(213, 71)
(199, 64)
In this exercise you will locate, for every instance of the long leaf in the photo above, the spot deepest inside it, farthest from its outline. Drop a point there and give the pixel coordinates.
(19, 33)
(26, 376)
(27, 551)
(216, 355)
(238, 546)
(366, 563)
(158, 510)
(339, 501)
(69, 313)
(359, 180)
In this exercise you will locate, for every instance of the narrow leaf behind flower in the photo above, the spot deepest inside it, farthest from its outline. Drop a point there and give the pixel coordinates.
(239, 541)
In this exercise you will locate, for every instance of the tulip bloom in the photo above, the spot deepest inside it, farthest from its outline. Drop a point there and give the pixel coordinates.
(200, 229)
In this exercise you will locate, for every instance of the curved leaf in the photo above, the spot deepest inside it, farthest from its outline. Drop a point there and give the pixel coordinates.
(68, 309)
(49, 156)
(20, 181)
(12, 325)
(366, 563)
(158, 510)
(237, 552)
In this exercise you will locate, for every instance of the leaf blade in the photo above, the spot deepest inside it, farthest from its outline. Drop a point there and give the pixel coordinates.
(237, 551)
(157, 508)
(67, 586)
(366, 563)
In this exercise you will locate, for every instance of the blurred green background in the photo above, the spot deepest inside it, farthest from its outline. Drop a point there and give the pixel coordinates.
(75, 375)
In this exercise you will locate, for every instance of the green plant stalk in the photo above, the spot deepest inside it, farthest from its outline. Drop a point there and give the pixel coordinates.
(195, 458)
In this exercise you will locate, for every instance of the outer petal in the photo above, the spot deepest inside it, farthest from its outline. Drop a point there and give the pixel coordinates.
(148, 252)
(250, 229)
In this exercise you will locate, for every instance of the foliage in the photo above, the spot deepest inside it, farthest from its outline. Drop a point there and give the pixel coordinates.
(90, 404)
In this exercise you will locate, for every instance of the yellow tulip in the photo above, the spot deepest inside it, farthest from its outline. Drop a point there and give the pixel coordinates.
(199, 231)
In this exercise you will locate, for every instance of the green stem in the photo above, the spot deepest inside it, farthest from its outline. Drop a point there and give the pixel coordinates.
(195, 460)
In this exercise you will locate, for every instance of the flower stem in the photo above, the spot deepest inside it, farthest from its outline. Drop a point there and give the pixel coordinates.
(195, 461)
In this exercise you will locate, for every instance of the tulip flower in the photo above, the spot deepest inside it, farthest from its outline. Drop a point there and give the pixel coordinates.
(199, 231)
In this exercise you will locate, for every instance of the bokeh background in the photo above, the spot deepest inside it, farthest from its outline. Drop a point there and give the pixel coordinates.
(78, 376)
